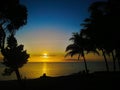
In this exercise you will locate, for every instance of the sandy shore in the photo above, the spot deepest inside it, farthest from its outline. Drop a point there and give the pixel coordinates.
(78, 81)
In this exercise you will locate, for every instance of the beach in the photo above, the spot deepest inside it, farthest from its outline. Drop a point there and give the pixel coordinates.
(77, 81)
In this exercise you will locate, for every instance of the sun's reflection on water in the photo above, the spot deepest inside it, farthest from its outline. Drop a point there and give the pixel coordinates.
(44, 68)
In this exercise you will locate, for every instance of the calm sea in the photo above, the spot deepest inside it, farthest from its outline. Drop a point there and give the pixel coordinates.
(53, 69)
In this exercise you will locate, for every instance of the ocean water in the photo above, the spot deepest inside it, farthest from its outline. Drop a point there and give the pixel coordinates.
(53, 69)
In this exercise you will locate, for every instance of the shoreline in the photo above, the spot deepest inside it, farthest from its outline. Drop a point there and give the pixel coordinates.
(76, 81)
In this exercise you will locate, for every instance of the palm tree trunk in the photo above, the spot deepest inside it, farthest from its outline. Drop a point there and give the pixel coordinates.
(86, 69)
(79, 57)
(3, 37)
(117, 56)
(19, 78)
(119, 64)
(114, 65)
(18, 75)
(105, 60)
(2, 46)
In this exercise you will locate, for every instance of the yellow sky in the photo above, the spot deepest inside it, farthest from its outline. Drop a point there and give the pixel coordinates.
(49, 28)
(59, 57)
(45, 40)
(45, 57)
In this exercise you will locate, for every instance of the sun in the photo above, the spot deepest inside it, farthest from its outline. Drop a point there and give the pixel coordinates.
(45, 55)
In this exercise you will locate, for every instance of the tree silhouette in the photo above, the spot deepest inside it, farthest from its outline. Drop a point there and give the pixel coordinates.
(13, 15)
(110, 28)
(102, 28)
(93, 29)
(114, 13)
(14, 56)
(100, 19)
(117, 51)
(80, 46)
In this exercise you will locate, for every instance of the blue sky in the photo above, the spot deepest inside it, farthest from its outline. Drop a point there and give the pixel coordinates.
(51, 24)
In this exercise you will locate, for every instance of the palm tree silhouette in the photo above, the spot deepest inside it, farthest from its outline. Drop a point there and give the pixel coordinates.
(14, 57)
(117, 51)
(76, 48)
(80, 46)
(95, 28)
(105, 16)
(114, 10)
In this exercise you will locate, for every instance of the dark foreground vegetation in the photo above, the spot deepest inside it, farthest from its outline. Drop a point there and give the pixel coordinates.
(100, 33)
(77, 81)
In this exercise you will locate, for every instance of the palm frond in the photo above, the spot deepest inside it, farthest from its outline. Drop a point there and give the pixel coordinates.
(70, 47)
(93, 51)
(71, 53)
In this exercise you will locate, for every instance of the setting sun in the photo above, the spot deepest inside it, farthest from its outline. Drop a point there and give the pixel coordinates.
(45, 55)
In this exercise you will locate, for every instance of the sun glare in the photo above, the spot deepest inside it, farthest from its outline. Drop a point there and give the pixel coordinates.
(45, 55)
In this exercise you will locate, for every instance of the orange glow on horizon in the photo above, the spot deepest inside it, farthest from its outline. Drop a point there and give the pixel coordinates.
(45, 57)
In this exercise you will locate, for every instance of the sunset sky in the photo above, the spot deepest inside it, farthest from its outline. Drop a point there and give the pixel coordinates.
(50, 25)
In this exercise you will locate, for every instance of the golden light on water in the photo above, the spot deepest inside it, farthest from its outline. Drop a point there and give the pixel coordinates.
(44, 68)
